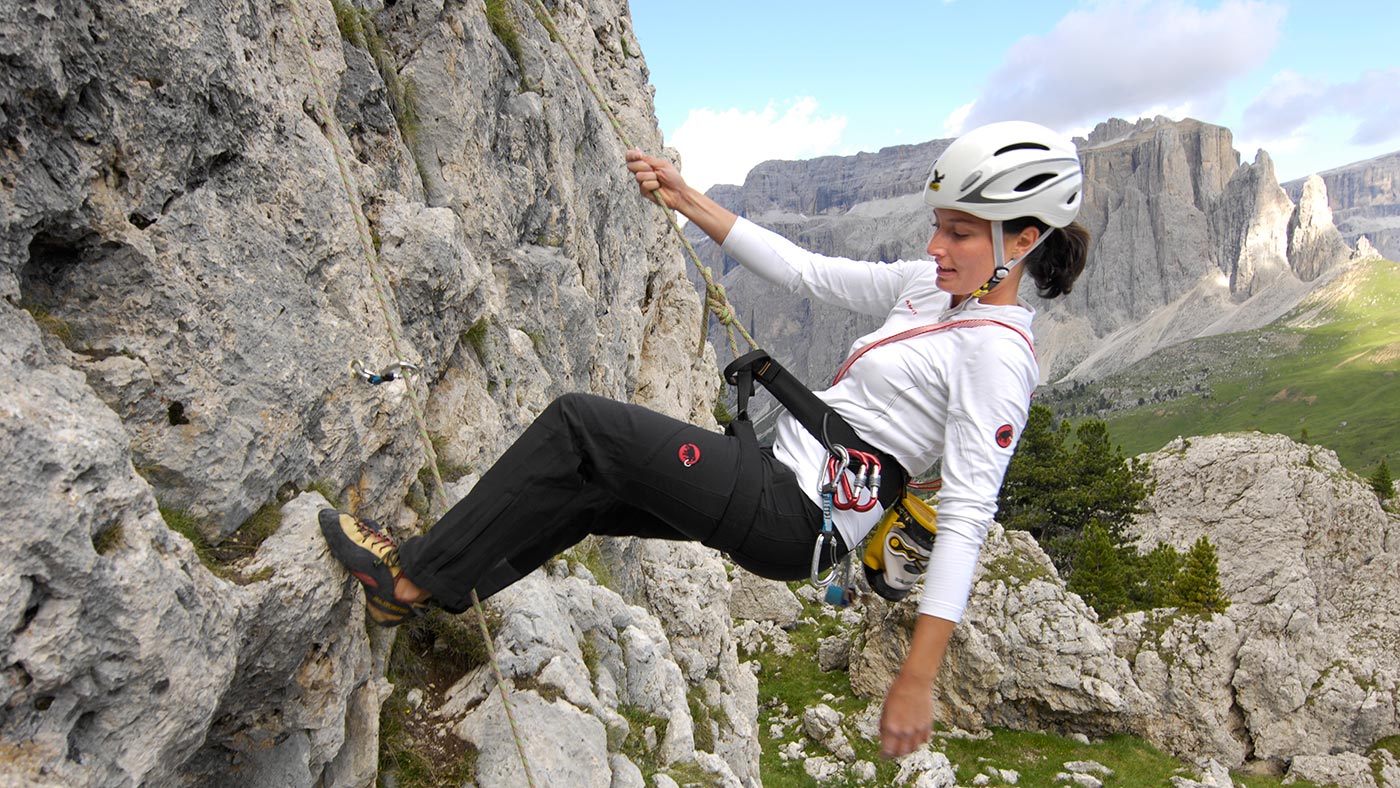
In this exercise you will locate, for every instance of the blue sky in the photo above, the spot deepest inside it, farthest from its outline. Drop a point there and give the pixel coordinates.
(1315, 84)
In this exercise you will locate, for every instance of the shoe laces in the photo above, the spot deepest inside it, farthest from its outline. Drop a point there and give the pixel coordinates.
(379, 539)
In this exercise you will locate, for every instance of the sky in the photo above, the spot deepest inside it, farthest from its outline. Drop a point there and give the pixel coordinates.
(1316, 84)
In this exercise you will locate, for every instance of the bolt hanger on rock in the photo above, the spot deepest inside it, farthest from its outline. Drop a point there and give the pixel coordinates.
(395, 371)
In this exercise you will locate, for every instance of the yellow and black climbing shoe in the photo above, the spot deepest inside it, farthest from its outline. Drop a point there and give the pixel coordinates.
(372, 556)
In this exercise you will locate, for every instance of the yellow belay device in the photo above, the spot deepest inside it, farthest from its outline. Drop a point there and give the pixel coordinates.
(897, 550)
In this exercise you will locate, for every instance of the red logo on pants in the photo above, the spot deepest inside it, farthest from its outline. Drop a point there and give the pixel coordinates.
(689, 454)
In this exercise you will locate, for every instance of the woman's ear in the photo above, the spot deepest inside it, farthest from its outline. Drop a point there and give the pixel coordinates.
(1025, 241)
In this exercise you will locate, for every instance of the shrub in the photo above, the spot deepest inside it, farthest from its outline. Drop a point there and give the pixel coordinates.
(1382, 483)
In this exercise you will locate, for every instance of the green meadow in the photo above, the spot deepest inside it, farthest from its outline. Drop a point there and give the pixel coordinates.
(1324, 374)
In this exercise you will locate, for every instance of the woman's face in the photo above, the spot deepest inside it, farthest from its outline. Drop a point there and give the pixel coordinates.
(962, 248)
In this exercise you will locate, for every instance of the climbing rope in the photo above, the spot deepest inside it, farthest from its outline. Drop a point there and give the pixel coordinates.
(715, 299)
(332, 130)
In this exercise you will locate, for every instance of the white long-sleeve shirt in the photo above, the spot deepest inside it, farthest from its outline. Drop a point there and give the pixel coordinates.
(960, 395)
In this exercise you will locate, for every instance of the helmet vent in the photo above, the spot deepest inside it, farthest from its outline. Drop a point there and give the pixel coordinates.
(1034, 181)
(1072, 198)
(1022, 146)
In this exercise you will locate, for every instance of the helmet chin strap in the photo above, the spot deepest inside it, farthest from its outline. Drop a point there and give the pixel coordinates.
(999, 253)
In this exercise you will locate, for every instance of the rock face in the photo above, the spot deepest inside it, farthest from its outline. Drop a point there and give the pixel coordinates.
(596, 667)
(1365, 200)
(1187, 241)
(1309, 561)
(1314, 243)
(1300, 668)
(1028, 655)
(185, 285)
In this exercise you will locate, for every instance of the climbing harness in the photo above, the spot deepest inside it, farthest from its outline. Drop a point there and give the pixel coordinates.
(907, 526)
(395, 371)
(331, 128)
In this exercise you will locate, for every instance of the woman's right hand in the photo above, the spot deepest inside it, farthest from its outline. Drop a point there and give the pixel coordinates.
(655, 175)
(658, 176)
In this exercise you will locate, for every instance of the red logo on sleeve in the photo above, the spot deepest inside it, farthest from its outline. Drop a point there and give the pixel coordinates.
(689, 454)
(1005, 434)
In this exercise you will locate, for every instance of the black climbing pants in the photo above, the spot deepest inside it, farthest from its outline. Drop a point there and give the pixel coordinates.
(590, 465)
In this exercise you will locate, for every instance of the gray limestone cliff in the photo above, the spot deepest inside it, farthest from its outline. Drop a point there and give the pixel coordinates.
(185, 286)
(1364, 198)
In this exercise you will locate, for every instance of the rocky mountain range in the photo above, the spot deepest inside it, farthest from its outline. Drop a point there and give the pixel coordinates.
(212, 210)
(1188, 241)
(1365, 201)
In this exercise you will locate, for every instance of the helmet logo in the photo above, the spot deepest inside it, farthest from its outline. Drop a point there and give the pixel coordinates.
(937, 181)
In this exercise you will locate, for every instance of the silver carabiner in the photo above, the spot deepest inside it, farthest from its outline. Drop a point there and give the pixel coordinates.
(827, 540)
(394, 371)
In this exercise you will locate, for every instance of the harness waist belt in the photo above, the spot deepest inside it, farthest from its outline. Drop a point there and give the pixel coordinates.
(815, 415)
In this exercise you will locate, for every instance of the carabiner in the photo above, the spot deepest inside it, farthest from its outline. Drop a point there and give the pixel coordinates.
(394, 371)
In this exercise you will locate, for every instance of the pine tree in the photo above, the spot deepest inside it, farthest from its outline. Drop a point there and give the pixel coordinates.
(1053, 491)
(1098, 575)
(1035, 476)
(1110, 487)
(1197, 587)
(1381, 481)
(1153, 577)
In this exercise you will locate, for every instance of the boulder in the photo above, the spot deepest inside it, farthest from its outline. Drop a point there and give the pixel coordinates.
(759, 599)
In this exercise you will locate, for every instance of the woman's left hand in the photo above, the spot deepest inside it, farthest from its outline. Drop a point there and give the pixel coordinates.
(907, 720)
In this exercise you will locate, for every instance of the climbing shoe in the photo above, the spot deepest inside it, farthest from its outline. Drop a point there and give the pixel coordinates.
(372, 556)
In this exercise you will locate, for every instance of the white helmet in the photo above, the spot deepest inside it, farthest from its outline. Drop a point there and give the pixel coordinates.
(1008, 170)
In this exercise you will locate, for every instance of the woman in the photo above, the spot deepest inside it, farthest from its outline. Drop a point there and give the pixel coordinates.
(1006, 192)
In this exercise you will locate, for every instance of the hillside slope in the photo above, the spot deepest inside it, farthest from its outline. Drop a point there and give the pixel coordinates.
(1328, 370)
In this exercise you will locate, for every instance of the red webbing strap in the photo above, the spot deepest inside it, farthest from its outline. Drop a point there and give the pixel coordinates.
(929, 329)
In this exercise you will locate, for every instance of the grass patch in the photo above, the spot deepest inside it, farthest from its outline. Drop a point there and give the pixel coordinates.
(221, 559)
(1391, 745)
(787, 685)
(689, 775)
(503, 26)
(588, 553)
(1014, 569)
(107, 540)
(327, 489)
(429, 654)
(790, 684)
(1038, 757)
(635, 746)
(703, 718)
(1328, 373)
(475, 338)
(183, 523)
(61, 329)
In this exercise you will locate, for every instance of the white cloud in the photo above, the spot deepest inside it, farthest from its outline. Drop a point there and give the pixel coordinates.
(1291, 101)
(1126, 57)
(721, 147)
(956, 120)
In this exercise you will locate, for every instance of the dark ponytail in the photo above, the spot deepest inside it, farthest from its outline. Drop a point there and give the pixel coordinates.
(1055, 264)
